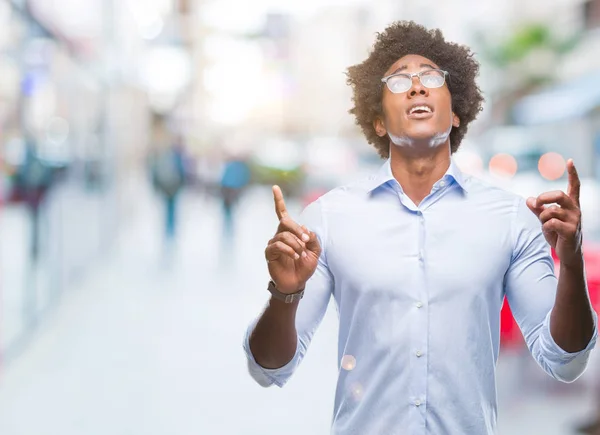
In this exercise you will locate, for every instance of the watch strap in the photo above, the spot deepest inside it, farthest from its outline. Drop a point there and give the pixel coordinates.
(284, 297)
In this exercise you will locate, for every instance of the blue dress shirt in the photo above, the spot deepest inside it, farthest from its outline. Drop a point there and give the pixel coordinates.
(418, 291)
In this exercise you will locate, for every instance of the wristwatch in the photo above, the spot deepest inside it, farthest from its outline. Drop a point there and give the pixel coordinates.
(287, 298)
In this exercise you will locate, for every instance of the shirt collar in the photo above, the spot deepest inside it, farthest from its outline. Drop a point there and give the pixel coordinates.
(384, 175)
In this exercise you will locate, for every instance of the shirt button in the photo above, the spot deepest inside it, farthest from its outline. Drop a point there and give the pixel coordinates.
(419, 304)
(421, 255)
(419, 354)
(419, 213)
(442, 183)
(417, 402)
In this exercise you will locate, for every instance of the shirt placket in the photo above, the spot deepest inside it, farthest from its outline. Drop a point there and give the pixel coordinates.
(420, 337)
(419, 354)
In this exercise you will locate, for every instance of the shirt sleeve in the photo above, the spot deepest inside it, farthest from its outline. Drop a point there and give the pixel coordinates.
(530, 286)
(311, 309)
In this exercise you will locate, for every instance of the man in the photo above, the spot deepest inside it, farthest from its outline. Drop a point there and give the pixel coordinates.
(418, 259)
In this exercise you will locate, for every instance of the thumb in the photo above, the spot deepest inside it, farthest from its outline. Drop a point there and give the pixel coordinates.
(313, 244)
(531, 204)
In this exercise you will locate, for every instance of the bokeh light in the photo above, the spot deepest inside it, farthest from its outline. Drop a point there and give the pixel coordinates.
(348, 362)
(469, 162)
(503, 165)
(57, 130)
(357, 391)
(552, 166)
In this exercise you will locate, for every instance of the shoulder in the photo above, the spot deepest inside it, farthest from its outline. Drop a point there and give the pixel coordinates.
(498, 198)
(346, 195)
(338, 200)
(484, 191)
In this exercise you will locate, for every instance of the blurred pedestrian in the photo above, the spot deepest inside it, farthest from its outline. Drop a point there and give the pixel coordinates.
(234, 179)
(418, 258)
(168, 178)
(32, 181)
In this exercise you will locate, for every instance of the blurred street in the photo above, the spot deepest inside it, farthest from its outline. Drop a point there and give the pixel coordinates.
(148, 345)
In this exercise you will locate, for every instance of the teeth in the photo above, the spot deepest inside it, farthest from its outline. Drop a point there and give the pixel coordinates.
(424, 108)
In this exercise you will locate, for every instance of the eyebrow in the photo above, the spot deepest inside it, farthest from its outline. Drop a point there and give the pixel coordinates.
(403, 67)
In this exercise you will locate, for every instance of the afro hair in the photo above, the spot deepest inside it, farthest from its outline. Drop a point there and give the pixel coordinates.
(396, 41)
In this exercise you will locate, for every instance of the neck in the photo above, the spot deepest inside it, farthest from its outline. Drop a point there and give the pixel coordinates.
(418, 172)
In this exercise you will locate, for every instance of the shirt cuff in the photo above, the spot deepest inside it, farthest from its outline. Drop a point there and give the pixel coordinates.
(267, 377)
(557, 355)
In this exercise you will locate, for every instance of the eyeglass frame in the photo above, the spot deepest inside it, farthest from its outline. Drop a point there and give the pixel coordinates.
(412, 75)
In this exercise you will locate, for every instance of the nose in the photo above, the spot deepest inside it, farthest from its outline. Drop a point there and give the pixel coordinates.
(417, 88)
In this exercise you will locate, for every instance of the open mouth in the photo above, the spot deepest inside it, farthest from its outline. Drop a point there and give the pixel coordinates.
(420, 111)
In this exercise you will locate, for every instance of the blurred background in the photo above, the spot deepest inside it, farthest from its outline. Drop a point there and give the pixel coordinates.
(138, 143)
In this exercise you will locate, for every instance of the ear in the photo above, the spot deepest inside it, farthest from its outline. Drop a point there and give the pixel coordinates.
(379, 127)
(455, 120)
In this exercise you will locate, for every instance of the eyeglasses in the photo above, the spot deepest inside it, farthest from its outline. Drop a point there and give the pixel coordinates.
(402, 82)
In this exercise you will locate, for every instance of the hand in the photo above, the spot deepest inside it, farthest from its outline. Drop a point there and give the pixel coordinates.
(293, 253)
(561, 223)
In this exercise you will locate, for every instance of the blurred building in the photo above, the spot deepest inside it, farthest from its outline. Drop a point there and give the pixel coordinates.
(74, 100)
(563, 116)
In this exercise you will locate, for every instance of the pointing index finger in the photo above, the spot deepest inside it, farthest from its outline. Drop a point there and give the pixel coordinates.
(279, 203)
(574, 183)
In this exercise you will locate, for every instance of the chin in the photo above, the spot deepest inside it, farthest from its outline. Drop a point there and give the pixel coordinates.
(423, 135)
(430, 132)
(421, 139)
